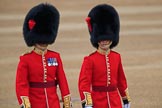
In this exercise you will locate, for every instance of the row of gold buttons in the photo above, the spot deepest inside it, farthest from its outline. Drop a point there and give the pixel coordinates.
(44, 68)
(108, 70)
(45, 77)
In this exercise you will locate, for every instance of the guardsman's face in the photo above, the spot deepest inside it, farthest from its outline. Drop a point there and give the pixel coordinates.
(41, 46)
(104, 44)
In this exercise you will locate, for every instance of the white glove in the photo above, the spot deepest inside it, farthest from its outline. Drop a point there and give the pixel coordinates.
(126, 105)
(88, 107)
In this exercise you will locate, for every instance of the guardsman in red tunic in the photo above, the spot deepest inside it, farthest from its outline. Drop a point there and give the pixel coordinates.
(102, 82)
(41, 70)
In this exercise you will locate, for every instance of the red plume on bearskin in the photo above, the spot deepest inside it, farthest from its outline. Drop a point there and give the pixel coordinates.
(31, 24)
(88, 20)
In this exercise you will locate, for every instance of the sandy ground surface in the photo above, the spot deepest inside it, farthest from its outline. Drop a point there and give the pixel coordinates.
(140, 46)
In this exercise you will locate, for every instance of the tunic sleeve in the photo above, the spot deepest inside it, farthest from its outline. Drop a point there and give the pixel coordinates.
(22, 85)
(61, 78)
(85, 79)
(122, 83)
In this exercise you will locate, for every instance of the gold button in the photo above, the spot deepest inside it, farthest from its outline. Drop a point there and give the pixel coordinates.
(45, 77)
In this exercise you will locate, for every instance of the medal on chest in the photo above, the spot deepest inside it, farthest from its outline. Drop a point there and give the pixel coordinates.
(52, 62)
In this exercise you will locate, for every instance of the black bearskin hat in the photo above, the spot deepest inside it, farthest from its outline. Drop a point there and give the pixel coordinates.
(41, 25)
(103, 23)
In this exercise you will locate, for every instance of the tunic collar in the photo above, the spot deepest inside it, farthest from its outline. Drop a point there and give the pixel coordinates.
(40, 52)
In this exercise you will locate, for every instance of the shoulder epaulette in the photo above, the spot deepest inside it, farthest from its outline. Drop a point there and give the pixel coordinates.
(53, 51)
(92, 53)
(27, 52)
(114, 52)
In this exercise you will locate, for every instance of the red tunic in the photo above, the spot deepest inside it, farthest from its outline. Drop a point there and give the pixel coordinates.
(99, 72)
(41, 68)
